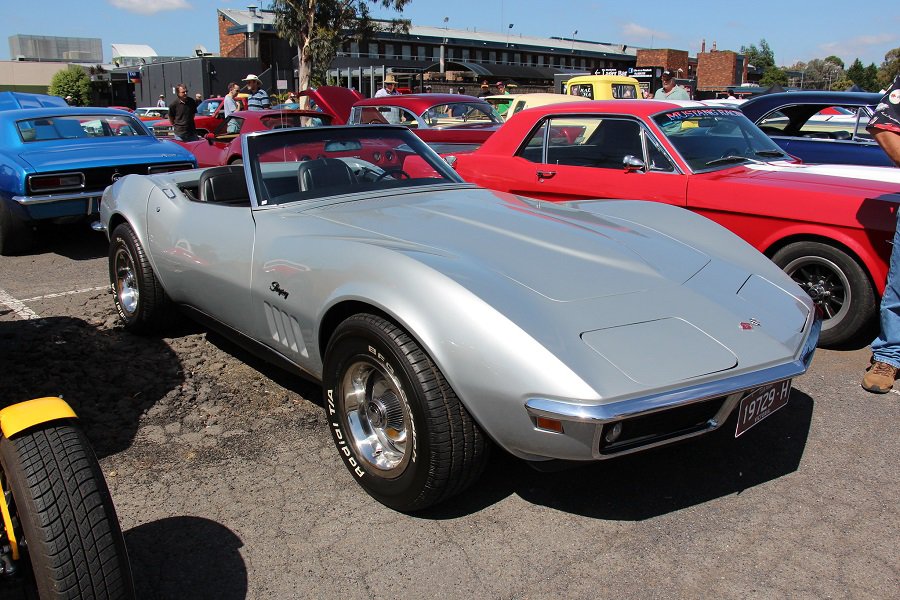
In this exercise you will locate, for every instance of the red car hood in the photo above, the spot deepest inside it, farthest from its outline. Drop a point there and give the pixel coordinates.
(872, 182)
(334, 100)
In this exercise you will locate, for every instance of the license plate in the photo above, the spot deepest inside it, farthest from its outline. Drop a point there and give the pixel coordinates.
(761, 403)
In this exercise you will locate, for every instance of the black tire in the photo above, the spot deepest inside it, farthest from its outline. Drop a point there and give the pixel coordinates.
(63, 516)
(16, 235)
(837, 284)
(440, 451)
(140, 300)
(236, 161)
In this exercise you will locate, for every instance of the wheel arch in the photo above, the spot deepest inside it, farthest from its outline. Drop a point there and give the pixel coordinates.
(871, 268)
(25, 415)
(344, 309)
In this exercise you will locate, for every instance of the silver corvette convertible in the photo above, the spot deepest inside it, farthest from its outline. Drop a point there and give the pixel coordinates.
(442, 318)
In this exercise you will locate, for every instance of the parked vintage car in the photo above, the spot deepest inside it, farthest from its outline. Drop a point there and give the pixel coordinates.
(439, 315)
(55, 162)
(509, 104)
(223, 146)
(151, 113)
(827, 226)
(820, 127)
(454, 121)
(332, 100)
(604, 87)
(59, 534)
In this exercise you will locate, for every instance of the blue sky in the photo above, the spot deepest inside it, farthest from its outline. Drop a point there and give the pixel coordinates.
(795, 30)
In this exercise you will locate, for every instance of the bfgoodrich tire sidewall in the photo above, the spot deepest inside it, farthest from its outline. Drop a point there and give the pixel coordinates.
(355, 344)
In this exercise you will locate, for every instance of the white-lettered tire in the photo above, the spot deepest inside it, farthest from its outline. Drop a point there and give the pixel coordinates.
(398, 426)
(836, 283)
(140, 300)
(63, 517)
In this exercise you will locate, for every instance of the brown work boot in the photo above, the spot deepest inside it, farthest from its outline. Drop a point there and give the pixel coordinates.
(879, 377)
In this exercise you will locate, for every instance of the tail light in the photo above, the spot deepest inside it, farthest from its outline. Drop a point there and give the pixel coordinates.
(56, 182)
(154, 169)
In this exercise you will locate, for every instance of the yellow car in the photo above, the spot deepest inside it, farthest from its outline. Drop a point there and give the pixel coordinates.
(604, 87)
(509, 104)
(52, 489)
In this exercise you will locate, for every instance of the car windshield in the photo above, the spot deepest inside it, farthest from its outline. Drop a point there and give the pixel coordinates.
(302, 164)
(78, 126)
(207, 108)
(713, 138)
(456, 114)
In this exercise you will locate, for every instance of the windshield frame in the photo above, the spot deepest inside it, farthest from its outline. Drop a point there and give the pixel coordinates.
(752, 136)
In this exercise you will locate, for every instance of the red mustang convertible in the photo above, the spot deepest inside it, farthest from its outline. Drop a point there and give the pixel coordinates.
(828, 226)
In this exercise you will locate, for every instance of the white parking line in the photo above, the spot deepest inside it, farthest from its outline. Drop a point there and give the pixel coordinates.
(69, 293)
(17, 306)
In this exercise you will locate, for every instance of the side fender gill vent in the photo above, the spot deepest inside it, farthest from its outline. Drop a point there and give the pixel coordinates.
(285, 330)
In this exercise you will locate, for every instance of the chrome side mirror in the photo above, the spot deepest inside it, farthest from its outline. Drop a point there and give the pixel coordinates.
(632, 163)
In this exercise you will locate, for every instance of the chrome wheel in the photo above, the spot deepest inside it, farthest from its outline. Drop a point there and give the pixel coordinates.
(826, 283)
(377, 414)
(127, 290)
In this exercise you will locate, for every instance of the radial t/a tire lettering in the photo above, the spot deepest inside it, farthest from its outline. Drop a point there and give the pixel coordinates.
(398, 426)
(140, 300)
(63, 516)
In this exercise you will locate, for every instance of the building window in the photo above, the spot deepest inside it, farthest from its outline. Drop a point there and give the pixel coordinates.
(436, 53)
(407, 52)
(465, 54)
(389, 51)
(479, 56)
(449, 53)
(540, 60)
(420, 52)
(492, 57)
(354, 49)
(373, 50)
(517, 58)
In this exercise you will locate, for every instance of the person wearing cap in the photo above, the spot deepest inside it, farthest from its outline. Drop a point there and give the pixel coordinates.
(670, 90)
(259, 98)
(501, 88)
(181, 115)
(161, 103)
(884, 127)
(389, 88)
(485, 89)
(70, 100)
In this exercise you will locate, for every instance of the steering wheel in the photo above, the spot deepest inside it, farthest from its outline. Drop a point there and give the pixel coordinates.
(395, 171)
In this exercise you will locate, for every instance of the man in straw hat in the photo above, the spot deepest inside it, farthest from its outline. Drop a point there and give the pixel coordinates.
(389, 88)
(259, 98)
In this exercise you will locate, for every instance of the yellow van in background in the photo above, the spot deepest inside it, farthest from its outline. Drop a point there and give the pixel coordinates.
(604, 87)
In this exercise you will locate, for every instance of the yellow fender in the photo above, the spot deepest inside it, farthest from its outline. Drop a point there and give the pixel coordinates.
(21, 416)
(17, 418)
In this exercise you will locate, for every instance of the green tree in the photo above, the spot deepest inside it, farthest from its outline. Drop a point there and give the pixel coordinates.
(820, 74)
(872, 78)
(318, 28)
(857, 73)
(836, 61)
(73, 81)
(890, 68)
(774, 75)
(762, 57)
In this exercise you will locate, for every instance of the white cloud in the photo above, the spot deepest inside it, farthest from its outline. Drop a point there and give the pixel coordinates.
(149, 7)
(851, 48)
(633, 31)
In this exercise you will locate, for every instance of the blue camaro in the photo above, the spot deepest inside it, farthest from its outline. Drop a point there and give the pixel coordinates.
(56, 160)
(820, 127)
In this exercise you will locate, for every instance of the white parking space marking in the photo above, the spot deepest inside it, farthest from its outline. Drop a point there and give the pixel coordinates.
(17, 306)
(69, 293)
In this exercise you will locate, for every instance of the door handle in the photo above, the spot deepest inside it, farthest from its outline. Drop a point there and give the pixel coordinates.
(546, 174)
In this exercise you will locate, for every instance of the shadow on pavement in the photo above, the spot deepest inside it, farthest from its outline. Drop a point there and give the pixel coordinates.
(76, 241)
(108, 377)
(186, 557)
(652, 483)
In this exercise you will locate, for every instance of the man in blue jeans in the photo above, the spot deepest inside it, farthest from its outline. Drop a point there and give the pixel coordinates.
(885, 128)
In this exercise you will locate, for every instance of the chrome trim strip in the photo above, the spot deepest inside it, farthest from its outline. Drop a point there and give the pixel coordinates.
(47, 198)
(604, 413)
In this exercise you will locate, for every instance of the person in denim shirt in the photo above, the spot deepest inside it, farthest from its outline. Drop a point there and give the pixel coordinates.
(885, 129)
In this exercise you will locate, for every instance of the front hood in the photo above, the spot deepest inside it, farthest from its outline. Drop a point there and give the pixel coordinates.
(871, 181)
(559, 252)
(102, 153)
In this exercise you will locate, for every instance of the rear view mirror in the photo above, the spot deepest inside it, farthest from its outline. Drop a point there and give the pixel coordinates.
(632, 163)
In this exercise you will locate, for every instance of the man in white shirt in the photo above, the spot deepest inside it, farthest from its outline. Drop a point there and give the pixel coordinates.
(231, 104)
(389, 88)
(670, 90)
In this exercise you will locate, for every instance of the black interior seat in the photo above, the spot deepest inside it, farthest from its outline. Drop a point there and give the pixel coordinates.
(224, 185)
(324, 173)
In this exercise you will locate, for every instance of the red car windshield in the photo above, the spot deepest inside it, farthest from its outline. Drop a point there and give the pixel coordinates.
(713, 138)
